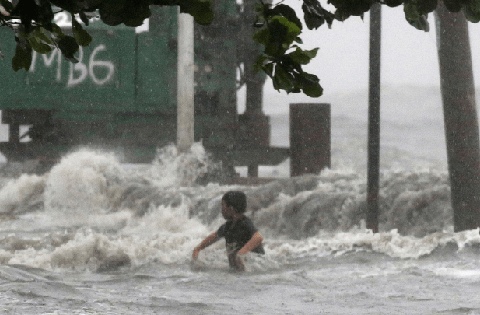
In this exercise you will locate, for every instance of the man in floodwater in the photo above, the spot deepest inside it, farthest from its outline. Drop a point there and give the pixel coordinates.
(240, 234)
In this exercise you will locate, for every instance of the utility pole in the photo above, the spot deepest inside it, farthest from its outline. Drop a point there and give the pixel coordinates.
(373, 167)
(185, 83)
(460, 116)
(255, 120)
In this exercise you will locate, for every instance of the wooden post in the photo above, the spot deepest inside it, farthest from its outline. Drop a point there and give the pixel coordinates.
(185, 83)
(373, 168)
(460, 116)
(14, 132)
(310, 144)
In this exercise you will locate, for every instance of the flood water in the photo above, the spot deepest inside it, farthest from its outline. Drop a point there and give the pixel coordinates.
(95, 236)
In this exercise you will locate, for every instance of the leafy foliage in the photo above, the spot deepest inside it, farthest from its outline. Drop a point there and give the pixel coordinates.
(284, 66)
(315, 15)
(279, 28)
(38, 32)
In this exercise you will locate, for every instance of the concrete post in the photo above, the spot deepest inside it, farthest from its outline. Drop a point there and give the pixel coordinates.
(185, 83)
(310, 144)
(373, 167)
(460, 116)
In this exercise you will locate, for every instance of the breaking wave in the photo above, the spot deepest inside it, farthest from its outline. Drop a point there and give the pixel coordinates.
(91, 212)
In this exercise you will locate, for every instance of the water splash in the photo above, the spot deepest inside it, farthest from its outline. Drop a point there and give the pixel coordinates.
(116, 215)
(172, 168)
(22, 195)
(83, 183)
(413, 203)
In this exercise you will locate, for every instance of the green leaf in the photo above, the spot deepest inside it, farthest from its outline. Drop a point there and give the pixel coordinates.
(22, 58)
(282, 80)
(473, 17)
(201, 10)
(44, 13)
(112, 12)
(42, 35)
(39, 46)
(268, 68)
(136, 14)
(347, 8)
(315, 15)
(313, 91)
(301, 56)
(293, 29)
(393, 3)
(310, 84)
(81, 36)
(277, 36)
(55, 29)
(129, 12)
(472, 11)
(426, 6)
(39, 11)
(414, 17)
(285, 11)
(260, 62)
(69, 46)
(84, 18)
(453, 5)
(262, 36)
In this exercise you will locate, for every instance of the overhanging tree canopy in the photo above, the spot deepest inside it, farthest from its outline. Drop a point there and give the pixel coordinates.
(279, 28)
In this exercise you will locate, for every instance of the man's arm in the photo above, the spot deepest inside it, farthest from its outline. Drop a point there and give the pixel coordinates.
(251, 244)
(212, 238)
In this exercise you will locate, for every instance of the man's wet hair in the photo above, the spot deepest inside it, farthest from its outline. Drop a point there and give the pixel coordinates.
(236, 199)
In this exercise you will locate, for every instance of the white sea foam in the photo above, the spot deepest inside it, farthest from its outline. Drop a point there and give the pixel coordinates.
(99, 214)
(18, 194)
(81, 184)
(171, 168)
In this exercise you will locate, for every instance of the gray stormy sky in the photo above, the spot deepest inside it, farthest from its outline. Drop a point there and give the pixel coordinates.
(409, 58)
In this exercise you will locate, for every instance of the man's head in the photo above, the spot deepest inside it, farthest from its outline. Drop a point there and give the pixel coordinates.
(233, 202)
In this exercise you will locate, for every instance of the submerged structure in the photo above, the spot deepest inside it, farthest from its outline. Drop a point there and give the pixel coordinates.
(121, 95)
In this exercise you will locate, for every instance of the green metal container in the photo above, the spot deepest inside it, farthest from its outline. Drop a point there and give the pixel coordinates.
(121, 95)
